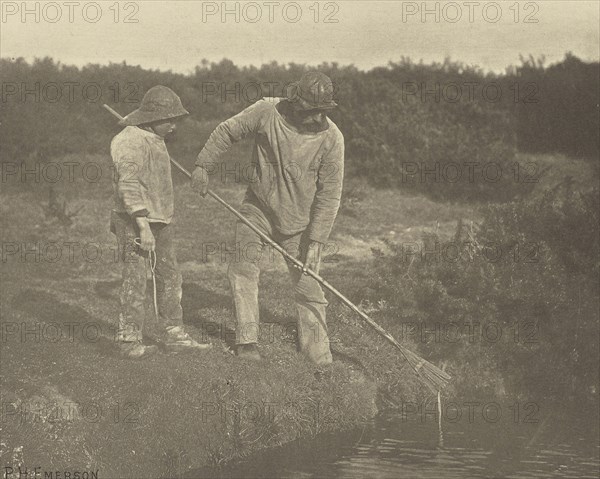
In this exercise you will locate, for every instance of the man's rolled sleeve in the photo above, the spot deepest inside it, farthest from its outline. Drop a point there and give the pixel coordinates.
(129, 160)
(330, 178)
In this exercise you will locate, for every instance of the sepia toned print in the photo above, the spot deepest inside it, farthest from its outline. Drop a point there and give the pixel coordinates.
(326, 239)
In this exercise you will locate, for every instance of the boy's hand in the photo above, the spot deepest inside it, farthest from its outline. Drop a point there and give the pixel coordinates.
(147, 241)
(313, 256)
(200, 180)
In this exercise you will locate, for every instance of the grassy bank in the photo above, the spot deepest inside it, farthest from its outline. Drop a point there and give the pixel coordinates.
(70, 403)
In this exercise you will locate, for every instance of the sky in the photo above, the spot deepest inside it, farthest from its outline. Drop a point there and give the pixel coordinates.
(177, 35)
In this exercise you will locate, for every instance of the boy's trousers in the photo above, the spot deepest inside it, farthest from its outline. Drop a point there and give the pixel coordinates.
(136, 269)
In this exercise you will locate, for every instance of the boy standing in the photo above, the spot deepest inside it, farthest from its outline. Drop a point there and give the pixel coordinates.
(141, 221)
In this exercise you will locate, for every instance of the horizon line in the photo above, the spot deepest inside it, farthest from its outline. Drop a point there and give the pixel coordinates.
(206, 64)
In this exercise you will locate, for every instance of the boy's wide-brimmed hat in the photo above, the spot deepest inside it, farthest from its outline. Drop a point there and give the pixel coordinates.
(314, 91)
(159, 103)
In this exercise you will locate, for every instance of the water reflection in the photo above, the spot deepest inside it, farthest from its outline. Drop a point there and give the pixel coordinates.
(393, 446)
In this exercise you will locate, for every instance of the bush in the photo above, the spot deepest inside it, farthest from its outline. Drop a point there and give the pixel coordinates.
(440, 149)
(529, 269)
(564, 116)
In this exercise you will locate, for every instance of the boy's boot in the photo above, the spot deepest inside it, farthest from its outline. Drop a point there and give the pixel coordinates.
(136, 350)
(178, 340)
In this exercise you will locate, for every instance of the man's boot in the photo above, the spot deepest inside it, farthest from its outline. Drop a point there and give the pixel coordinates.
(248, 351)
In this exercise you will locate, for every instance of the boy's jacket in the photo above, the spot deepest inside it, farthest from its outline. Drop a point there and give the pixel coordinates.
(142, 179)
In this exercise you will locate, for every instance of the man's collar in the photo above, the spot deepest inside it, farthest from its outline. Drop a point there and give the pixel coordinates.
(284, 107)
(150, 131)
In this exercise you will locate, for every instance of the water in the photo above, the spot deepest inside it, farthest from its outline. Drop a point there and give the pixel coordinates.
(554, 445)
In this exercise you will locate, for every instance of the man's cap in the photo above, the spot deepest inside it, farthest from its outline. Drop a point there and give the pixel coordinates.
(314, 91)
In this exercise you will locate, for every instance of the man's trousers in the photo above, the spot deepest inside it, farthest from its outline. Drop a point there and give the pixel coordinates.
(243, 274)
